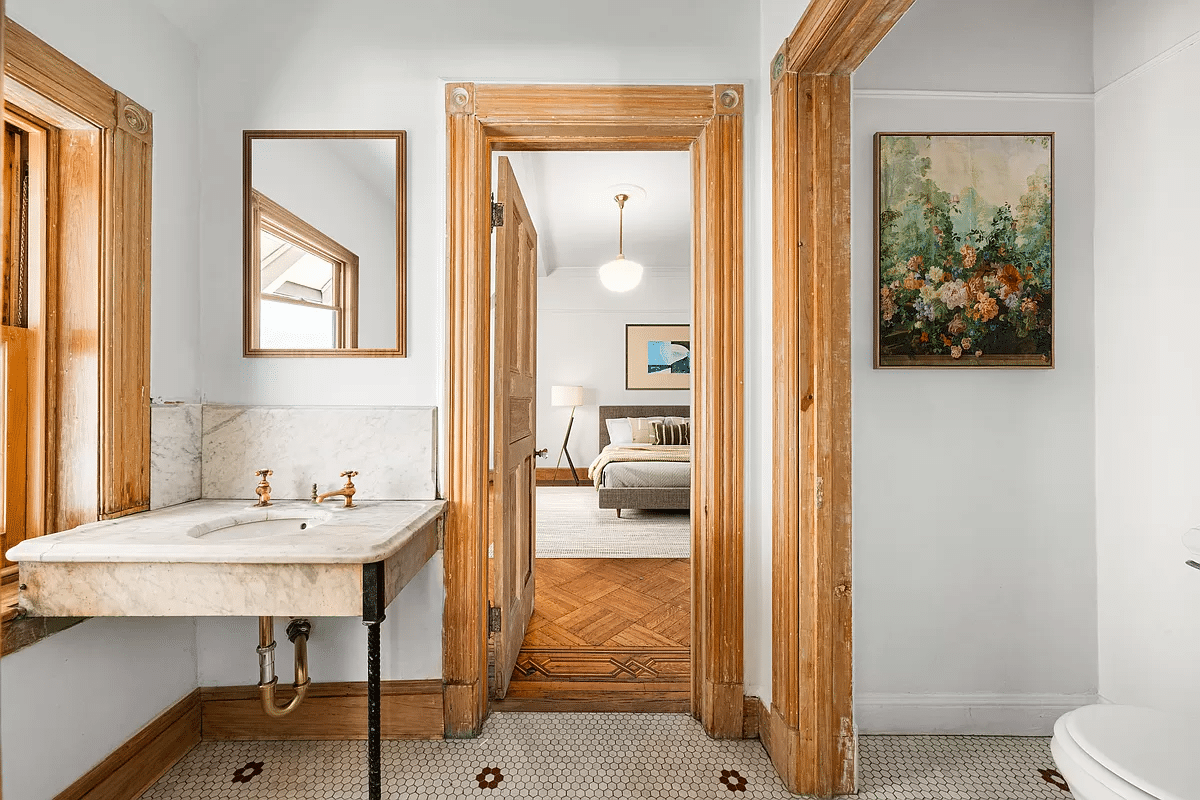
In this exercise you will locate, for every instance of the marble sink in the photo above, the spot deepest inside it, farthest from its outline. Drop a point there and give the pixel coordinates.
(258, 525)
(226, 558)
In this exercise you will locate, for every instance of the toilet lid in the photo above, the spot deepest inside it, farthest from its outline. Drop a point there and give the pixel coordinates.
(1158, 753)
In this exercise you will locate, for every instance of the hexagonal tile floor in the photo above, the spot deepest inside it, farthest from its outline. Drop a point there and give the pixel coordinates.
(551, 756)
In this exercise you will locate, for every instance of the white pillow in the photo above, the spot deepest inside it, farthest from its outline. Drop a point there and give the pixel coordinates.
(619, 430)
(678, 420)
(643, 429)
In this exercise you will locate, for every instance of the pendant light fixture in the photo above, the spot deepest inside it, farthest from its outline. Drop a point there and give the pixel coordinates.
(621, 274)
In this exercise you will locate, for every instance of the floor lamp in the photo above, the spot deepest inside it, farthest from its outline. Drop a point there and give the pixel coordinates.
(567, 396)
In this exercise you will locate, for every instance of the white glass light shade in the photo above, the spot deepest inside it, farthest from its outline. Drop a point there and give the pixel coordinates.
(621, 274)
(566, 395)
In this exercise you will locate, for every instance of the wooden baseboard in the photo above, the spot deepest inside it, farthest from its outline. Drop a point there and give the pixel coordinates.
(135, 766)
(550, 476)
(331, 711)
(781, 744)
(752, 711)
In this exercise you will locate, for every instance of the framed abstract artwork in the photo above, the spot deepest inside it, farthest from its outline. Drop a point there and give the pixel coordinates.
(658, 357)
(964, 250)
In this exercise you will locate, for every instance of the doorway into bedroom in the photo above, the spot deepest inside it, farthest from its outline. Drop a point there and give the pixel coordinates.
(611, 528)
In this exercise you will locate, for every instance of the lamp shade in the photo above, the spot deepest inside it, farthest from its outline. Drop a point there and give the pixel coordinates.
(566, 395)
(621, 274)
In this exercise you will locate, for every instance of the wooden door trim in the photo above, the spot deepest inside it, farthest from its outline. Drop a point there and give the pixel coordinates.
(809, 730)
(708, 122)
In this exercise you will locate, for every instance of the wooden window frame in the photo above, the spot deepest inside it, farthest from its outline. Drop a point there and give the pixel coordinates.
(250, 250)
(707, 122)
(267, 215)
(94, 344)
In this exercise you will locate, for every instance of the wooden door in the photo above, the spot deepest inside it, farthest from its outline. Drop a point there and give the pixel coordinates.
(513, 426)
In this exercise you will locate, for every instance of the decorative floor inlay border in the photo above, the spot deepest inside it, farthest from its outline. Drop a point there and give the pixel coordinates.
(634, 665)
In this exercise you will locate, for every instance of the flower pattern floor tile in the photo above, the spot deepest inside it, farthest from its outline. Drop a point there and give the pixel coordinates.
(578, 755)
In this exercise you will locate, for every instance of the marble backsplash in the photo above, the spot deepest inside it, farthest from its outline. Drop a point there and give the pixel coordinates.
(393, 449)
(175, 460)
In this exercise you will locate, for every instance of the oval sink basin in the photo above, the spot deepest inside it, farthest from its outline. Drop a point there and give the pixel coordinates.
(258, 524)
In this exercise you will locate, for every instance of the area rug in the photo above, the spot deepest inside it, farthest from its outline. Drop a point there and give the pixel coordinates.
(570, 525)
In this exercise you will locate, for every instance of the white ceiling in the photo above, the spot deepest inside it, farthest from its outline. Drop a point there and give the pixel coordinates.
(570, 196)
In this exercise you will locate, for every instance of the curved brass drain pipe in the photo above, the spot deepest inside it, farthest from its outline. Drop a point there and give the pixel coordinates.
(297, 633)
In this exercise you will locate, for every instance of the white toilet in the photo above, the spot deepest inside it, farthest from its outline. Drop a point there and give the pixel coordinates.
(1109, 752)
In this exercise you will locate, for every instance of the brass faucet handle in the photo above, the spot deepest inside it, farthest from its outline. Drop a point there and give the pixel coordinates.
(263, 490)
(348, 475)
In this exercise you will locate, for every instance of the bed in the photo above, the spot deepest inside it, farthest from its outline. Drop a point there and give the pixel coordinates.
(648, 484)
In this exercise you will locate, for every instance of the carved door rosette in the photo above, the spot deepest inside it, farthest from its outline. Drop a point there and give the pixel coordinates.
(134, 119)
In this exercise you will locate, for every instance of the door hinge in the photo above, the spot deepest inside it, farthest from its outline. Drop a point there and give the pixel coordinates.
(497, 214)
(494, 619)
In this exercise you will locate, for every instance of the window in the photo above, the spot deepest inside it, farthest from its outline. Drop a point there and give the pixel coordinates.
(20, 330)
(307, 283)
(74, 304)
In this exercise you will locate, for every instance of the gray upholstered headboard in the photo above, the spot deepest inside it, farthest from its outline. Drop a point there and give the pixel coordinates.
(616, 412)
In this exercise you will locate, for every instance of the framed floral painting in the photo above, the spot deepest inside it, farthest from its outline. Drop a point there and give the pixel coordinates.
(964, 245)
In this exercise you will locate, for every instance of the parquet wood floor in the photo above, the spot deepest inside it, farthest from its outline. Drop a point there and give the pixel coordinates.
(606, 635)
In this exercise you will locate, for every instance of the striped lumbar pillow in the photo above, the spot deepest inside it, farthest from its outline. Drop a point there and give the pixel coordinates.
(672, 434)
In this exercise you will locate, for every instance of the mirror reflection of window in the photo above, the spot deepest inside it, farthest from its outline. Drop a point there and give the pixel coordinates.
(299, 307)
(324, 217)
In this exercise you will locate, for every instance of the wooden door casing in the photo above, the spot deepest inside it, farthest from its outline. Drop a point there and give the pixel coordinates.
(513, 427)
(480, 120)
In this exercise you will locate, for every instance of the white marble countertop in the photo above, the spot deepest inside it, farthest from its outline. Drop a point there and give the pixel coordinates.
(372, 531)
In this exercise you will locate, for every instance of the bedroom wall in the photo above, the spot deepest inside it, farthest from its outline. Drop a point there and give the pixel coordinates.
(1147, 373)
(73, 698)
(974, 491)
(581, 342)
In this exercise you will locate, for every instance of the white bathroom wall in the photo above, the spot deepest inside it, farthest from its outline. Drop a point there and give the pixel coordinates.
(581, 342)
(1131, 35)
(777, 20)
(974, 517)
(73, 698)
(394, 60)
(136, 51)
(410, 641)
(1147, 371)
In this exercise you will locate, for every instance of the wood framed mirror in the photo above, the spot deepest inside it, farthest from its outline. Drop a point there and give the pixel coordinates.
(324, 243)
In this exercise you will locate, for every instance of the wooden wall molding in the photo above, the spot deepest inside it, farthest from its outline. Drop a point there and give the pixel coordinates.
(331, 711)
(809, 730)
(708, 122)
(135, 766)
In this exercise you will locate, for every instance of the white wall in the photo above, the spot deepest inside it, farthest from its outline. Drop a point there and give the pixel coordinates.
(394, 59)
(974, 520)
(986, 46)
(410, 641)
(1147, 370)
(581, 342)
(393, 63)
(1128, 34)
(72, 699)
(317, 180)
(139, 53)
